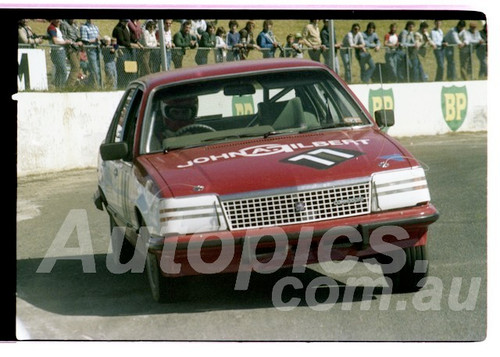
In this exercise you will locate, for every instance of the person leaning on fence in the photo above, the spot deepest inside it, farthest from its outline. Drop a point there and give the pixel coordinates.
(57, 52)
(206, 44)
(233, 41)
(311, 35)
(266, 40)
(438, 49)
(292, 47)
(391, 44)
(352, 40)
(168, 43)
(372, 42)
(109, 53)
(149, 48)
(26, 35)
(89, 33)
(247, 40)
(325, 42)
(71, 32)
(126, 66)
(482, 52)
(408, 56)
(450, 41)
(220, 45)
(182, 41)
(422, 41)
(472, 39)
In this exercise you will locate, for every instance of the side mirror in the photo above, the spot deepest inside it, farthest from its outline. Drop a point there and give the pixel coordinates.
(384, 117)
(113, 151)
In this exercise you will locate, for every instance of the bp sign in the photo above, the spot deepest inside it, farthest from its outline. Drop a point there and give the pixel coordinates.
(380, 99)
(454, 106)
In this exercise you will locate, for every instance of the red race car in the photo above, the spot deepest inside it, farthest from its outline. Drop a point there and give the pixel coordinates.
(255, 166)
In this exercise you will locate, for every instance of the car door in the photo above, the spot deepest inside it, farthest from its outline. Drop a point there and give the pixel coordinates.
(116, 171)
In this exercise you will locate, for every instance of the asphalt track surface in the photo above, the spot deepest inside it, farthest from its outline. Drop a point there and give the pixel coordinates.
(68, 303)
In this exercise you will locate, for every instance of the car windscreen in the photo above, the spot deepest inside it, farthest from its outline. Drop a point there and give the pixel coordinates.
(214, 110)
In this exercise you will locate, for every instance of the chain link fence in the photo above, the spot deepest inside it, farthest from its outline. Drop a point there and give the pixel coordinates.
(99, 68)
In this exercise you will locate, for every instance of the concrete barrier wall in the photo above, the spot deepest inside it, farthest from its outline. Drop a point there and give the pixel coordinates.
(63, 131)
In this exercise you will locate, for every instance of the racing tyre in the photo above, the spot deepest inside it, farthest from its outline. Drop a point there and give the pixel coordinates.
(123, 251)
(409, 277)
(157, 282)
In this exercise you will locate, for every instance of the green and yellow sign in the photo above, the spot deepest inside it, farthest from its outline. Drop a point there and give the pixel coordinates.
(454, 106)
(380, 99)
(243, 105)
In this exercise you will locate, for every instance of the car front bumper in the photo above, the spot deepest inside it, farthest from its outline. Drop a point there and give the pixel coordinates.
(286, 246)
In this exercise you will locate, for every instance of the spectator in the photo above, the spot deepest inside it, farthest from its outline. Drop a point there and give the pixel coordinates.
(207, 41)
(437, 40)
(266, 40)
(422, 39)
(352, 40)
(391, 44)
(471, 38)
(122, 35)
(450, 41)
(198, 27)
(26, 35)
(247, 40)
(408, 65)
(136, 33)
(312, 39)
(149, 45)
(233, 41)
(293, 46)
(89, 33)
(325, 42)
(57, 52)
(482, 52)
(182, 41)
(109, 52)
(220, 45)
(71, 32)
(168, 42)
(371, 42)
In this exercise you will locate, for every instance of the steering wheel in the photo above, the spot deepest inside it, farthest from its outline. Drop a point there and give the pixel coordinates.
(194, 128)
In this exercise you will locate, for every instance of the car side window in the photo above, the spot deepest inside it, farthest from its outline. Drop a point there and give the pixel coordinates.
(125, 121)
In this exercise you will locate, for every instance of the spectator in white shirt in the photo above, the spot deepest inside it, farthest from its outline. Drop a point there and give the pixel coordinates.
(437, 38)
(353, 40)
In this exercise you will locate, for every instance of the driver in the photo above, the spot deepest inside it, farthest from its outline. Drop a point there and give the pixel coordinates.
(178, 113)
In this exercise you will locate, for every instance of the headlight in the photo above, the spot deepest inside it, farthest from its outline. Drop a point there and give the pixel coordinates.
(191, 214)
(399, 188)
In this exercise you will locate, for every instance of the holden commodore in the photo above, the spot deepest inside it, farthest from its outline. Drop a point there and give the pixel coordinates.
(258, 165)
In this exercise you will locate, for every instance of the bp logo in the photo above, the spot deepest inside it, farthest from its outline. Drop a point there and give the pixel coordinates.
(454, 106)
(380, 99)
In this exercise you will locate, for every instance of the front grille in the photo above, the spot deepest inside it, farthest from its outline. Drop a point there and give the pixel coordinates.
(298, 207)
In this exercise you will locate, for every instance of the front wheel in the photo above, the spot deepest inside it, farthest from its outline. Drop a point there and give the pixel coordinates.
(409, 277)
(158, 284)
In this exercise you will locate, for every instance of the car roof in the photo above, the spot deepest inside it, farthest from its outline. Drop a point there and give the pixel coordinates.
(221, 69)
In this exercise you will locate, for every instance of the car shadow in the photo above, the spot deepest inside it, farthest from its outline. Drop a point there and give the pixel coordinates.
(67, 290)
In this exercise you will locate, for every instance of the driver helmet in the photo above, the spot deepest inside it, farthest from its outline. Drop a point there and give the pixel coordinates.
(179, 112)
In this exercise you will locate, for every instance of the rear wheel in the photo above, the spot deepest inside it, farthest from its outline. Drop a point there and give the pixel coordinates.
(409, 277)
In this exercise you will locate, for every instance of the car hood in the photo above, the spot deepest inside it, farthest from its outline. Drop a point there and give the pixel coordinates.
(279, 161)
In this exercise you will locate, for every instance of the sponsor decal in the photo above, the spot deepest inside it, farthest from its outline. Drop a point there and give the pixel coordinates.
(454, 106)
(273, 149)
(323, 158)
